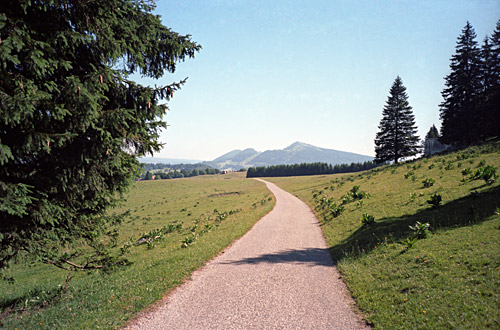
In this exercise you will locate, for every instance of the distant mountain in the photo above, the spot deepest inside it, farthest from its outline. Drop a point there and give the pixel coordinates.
(296, 153)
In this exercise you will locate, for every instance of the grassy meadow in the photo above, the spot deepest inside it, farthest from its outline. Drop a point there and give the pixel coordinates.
(183, 223)
(399, 279)
(446, 276)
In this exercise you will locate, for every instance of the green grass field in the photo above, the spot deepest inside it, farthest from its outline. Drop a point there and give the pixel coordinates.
(213, 210)
(449, 280)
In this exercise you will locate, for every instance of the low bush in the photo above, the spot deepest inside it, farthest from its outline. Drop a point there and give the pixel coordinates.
(367, 219)
(435, 200)
(428, 182)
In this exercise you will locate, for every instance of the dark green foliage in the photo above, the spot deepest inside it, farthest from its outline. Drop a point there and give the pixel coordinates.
(367, 219)
(470, 112)
(409, 174)
(161, 167)
(357, 194)
(73, 124)
(148, 176)
(488, 174)
(307, 169)
(431, 142)
(336, 210)
(433, 133)
(397, 137)
(489, 103)
(459, 120)
(435, 200)
(428, 182)
(420, 230)
(466, 171)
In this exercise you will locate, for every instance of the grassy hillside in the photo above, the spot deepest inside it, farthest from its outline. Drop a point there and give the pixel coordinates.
(399, 279)
(204, 214)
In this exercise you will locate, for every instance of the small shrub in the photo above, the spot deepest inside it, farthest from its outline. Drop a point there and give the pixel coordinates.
(428, 182)
(413, 196)
(336, 210)
(466, 171)
(431, 166)
(420, 230)
(367, 219)
(435, 200)
(449, 166)
(408, 243)
(481, 163)
(187, 241)
(346, 199)
(355, 193)
(409, 174)
(488, 174)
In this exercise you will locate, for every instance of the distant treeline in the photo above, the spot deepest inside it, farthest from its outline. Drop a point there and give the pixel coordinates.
(161, 166)
(308, 169)
(178, 174)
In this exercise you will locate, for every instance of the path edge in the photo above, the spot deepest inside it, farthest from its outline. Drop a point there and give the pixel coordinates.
(163, 300)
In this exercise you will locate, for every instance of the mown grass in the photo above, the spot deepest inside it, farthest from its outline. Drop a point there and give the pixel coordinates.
(449, 280)
(43, 297)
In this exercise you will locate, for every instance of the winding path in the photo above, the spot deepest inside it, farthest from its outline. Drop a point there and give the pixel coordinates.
(278, 276)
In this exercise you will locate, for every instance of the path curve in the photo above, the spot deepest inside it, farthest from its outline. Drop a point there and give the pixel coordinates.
(277, 276)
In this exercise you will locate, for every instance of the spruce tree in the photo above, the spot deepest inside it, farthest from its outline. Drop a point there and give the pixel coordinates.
(489, 105)
(72, 123)
(460, 120)
(433, 133)
(397, 137)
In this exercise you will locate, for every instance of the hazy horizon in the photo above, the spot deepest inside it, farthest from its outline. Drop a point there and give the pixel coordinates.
(319, 72)
(189, 161)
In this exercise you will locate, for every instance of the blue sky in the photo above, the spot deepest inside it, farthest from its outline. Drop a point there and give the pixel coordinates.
(274, 72)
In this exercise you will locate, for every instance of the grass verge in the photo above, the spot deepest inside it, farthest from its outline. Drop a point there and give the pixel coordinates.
(400, 280)
(208, 212)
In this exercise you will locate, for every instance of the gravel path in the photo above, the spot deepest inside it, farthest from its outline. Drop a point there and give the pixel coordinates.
(278, 276)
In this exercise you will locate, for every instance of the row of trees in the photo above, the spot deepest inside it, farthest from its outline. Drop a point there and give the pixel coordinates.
(307, 169)
(470, 112)
(183, 173)
(162, 166)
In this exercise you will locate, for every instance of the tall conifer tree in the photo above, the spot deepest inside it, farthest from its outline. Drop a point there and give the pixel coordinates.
(397, 137)
(460, 120)
(72, 124)
(489, 105)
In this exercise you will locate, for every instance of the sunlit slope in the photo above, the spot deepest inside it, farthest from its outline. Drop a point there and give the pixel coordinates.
(448, 280)
(175, 227)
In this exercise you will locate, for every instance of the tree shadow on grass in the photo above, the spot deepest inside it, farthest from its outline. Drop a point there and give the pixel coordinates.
(35, 298)
(308, 256)
(464, 211)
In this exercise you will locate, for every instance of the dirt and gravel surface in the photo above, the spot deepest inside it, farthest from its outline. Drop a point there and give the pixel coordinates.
(278, 276)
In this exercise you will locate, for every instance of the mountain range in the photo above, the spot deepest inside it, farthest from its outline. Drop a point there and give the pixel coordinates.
(296, 153)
